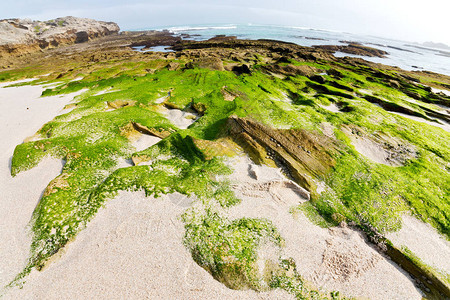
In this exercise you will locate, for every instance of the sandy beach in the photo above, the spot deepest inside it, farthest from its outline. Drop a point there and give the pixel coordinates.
(133, 247)
(337, 258)
(22, 113)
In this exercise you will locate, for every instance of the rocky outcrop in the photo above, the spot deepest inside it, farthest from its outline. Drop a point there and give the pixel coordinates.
(354, 48)
(290, 69)
(212, 63)
(159, 38)
(302, 154)
(276, 49)
(20, 36)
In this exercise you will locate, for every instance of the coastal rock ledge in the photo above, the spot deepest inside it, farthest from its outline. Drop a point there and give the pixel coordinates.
(21, 36)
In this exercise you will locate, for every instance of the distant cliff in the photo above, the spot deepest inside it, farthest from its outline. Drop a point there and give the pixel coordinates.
(19, 36)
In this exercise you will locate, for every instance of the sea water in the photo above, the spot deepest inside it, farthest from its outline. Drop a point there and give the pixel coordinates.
(406, 55)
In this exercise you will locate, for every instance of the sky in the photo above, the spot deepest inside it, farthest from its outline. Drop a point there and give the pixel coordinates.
(407, 20)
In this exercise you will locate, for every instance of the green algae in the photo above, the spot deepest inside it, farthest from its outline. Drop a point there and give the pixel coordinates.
(427, 268)
(228, 249)
(90, 141)
(312, 213)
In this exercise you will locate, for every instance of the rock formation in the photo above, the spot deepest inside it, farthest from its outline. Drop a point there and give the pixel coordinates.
(19, 36)
(355, 49)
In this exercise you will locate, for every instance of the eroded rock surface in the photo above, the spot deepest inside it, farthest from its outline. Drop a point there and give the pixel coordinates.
(356, 49)
(19, 36)
(304, 154)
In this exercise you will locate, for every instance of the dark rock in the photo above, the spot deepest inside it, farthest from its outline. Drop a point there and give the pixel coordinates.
(159, 38)
(173, 66)
(223, 38)
(341, 86)
(427, 88)
(354, 48)
(335, 73)
(199, 108)
(82, 36)
(318, 78)
(211, 63)
(412, 94)
(394, 84)
(242, 69)
(292, 70)
(324, 89)
(411, 78)
(283, 59)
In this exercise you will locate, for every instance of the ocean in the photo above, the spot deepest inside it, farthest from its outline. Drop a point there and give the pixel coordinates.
(406, 55)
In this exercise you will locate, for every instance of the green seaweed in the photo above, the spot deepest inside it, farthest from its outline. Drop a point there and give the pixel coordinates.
(91, 141)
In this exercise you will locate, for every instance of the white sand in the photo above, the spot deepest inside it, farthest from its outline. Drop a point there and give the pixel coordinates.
(179, 118)
(435, 90)
(20, 195)
(327, 129)
(22, 113)
(161, 100)
(145, 141)
(424, 241)
(124, 163)
(332, 259)
(441, 124)
(77, 79)
(332, 107)
(443, 109)
(363, 91)
(132, 250)
(107, 91)
(375, 147)
(369, 148)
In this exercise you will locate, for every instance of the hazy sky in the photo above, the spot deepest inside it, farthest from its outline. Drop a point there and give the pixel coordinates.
(410, 20)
